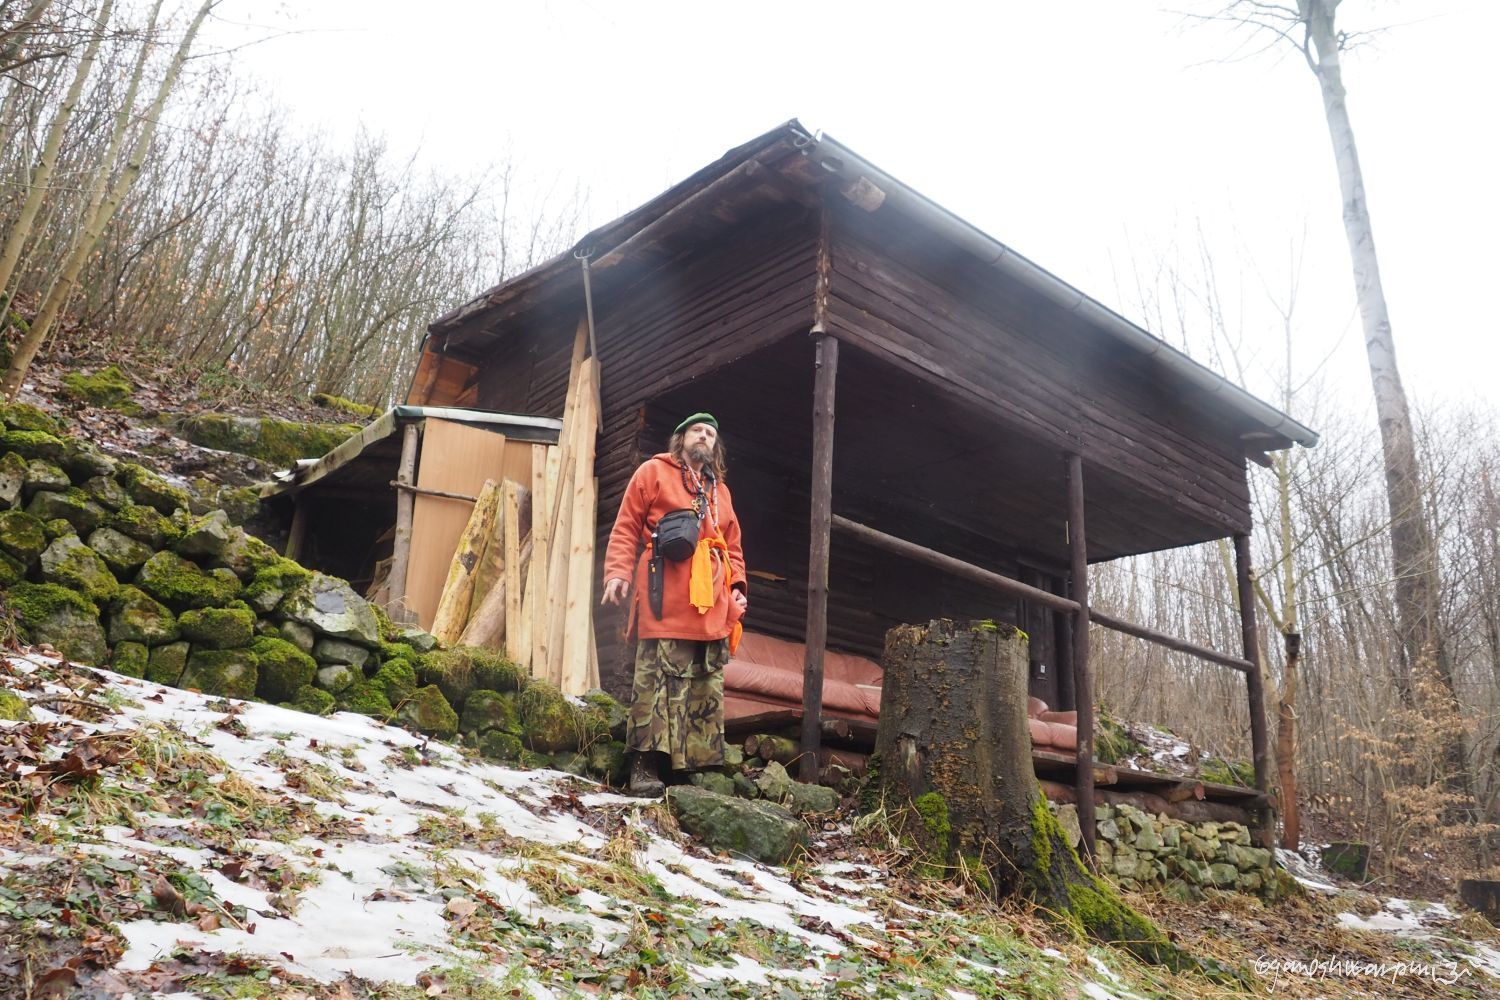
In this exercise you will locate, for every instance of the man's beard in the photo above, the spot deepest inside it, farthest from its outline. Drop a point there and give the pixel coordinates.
(699, 454)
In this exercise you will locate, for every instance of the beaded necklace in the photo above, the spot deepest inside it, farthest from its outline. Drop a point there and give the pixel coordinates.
(705, 501)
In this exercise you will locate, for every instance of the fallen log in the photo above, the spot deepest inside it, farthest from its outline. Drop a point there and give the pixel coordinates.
(478, 535)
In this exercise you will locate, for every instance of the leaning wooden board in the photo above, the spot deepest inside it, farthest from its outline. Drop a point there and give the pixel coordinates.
(455, 458)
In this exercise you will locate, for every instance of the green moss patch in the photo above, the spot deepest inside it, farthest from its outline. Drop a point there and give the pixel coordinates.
(273, 582)
(396, 679)
(366, 699)
(230, 673)
(427, 711)
(463, 669)
(107, 387)
(218, 628)
(284, 669)
(22, 535)
(180, 583)
(72, 564)
(146, 487)
(312, 700)
(145, 524)
(25, 417)
(360, 410)
(12, 707)
(33, 444)
(136, 616)
(278, 442)
(72, 505)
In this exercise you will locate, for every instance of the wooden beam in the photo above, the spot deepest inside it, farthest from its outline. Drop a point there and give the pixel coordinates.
(825, 379)
(405, 503)
(1083, 686)
(1171, 642)
(665, 223)
(949, 564)
(1260, 744)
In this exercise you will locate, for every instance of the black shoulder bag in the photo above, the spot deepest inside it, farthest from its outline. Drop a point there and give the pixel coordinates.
(675, 537)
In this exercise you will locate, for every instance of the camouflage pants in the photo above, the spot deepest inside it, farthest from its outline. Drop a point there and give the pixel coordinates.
(678, 703)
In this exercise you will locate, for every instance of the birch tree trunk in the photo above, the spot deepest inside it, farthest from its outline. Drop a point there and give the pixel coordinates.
(1412, 549)
(106, 199)
(41, 175)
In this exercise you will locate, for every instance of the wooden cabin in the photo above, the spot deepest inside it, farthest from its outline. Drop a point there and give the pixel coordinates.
(914, 413)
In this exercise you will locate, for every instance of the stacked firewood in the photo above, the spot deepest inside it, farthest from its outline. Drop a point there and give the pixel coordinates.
(836, 766)
(522, 576)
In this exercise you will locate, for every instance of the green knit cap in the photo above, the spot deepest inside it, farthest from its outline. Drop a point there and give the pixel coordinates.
(698, 418)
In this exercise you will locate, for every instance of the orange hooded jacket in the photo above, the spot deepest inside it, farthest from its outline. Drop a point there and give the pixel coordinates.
(656, 489)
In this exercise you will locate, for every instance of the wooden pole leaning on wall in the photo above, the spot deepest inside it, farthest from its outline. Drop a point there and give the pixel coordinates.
(406, 475)
(1260, 745)
(826, 367)
(1083, 687)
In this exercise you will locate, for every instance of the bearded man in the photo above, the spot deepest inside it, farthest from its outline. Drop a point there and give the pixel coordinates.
(676, 544)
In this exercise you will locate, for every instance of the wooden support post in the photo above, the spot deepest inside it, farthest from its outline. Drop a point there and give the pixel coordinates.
(1083, 687)
(1260, 745)
(406, 475)
(1062, 628)
(826, 364)
(296, 540)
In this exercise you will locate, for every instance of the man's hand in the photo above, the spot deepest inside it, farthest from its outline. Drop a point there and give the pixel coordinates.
(741, 601)
(615, 590)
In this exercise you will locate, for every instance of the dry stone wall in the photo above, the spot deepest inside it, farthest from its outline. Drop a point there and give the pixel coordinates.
(1140, 852)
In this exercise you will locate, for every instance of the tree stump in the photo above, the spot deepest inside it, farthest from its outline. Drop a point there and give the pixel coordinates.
(953, 741)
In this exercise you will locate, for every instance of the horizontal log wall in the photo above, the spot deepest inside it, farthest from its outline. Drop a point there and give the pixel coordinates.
(658, 331)
(948, 317)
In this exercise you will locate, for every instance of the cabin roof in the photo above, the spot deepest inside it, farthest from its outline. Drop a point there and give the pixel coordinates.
(787, 160)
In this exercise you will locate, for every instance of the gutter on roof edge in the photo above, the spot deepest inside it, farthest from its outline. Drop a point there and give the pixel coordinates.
(1037, 278)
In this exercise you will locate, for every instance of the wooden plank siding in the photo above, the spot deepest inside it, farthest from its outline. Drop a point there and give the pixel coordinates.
(658, 331)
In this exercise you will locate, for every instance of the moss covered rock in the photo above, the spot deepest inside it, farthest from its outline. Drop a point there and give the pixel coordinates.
(72, 505)
(284, 670)
(272, 583)
(12, 570)
(278, 442)
(69, 562)
(427, 711)
(246, 555)
(167, 663)
(418, 639)
(57, 528)
(497, 744)
(43, 476)
(463, 669)
(396, 679)
(759, 830)
(107, 387)
(487, 710)
(549, 722)
(123, 554)
(136, 616)
(82, 461)
(332, 608)
(231, 673)
(314, 701)
(217, 628)
(130, 659)
(205, 538)
(22, 535)
(25, 417)
(366, 699)
(337, 677)
(145, 524)
(609, 760)
(299, 635)
(180, 583)
(360, 410)
(241, 503)
(148, 489)
(57, 615)
(329, 651)
(33, 444)
(12, 707)
(12, 479)
(398, 651)
(605, 715)
(105, 492)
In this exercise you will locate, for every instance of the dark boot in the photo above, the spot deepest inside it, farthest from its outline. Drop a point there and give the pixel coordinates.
(645, 778)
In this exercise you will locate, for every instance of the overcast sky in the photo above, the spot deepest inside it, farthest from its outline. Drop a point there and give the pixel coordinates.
(1097, 137)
